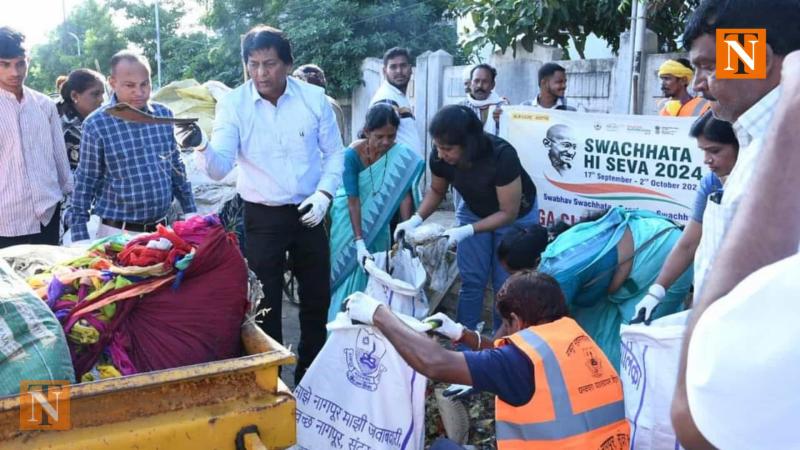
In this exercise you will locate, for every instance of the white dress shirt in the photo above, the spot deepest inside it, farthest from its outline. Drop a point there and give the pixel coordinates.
(750, 129)
(34, 168)
(407, 134)
(285, 152)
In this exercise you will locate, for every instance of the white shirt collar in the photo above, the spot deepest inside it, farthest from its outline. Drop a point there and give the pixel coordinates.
(255, 96)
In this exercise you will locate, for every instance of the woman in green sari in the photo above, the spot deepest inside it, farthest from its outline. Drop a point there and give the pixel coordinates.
(380, 180)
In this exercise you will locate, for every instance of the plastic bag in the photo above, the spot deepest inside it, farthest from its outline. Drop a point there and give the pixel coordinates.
(649, 371)
(397, 279)
(360, 394)
(32, 343)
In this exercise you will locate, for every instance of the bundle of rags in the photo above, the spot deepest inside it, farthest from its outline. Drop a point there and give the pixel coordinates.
(172, 298)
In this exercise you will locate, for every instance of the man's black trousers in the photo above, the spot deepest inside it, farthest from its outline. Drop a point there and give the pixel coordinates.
(271, 232)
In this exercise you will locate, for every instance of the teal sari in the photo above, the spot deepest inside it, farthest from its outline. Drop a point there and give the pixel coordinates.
(381, 188)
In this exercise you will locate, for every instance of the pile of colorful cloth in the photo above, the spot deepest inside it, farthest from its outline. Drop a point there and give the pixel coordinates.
(153, 301)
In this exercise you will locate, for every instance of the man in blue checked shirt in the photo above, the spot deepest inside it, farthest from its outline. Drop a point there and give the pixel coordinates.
(128, 172)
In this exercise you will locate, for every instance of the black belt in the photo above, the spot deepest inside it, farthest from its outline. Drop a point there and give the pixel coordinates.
(133, 226)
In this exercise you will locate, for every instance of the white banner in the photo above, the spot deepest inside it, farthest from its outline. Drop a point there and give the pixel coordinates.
(584, 162)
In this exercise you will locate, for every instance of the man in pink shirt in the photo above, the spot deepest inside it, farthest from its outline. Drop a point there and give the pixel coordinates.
(34, 169)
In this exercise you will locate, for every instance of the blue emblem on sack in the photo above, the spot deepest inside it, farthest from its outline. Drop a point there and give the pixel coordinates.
(364, 360)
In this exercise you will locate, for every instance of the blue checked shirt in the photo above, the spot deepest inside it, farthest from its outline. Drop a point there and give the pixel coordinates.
(127, 171)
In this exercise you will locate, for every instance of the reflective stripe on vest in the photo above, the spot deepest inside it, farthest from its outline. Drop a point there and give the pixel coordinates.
(698, 109)
(566, 423)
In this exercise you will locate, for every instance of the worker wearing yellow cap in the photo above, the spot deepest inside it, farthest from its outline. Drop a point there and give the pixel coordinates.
(675, 77)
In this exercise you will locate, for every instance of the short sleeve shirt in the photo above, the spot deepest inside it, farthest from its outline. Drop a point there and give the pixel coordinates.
(708, 185)
(497, 165)
(352, 167)
(504, 371)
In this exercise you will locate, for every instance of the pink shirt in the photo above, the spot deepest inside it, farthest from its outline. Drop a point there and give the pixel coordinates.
(34, 169)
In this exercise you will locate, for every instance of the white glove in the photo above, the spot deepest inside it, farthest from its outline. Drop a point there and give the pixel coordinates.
(458, 234)
(407, 226)
(449, 328)
(649, 302)
(361, 307)
(362, 253)
(458, 391)
(319, 207)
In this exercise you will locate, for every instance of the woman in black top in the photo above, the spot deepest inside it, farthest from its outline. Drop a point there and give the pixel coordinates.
(81, 94)
(497, 195)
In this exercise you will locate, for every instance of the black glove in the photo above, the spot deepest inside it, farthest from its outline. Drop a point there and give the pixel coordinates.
(188, 135)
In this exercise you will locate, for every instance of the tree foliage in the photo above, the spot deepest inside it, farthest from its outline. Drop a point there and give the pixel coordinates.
(99, 39)
(335, 34)
(566, 23)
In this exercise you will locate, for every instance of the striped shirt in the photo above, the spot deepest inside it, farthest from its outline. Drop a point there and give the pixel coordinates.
(750, 129)
(34, 171)
(127, 172)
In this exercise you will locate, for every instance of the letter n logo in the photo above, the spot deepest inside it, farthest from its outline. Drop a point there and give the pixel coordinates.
(741, 53)
(44, 405)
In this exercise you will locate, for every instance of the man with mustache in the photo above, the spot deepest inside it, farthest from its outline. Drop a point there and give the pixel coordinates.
(675, 75)
(34, 165)
(552, 90)
(481, 97)
(397, 74)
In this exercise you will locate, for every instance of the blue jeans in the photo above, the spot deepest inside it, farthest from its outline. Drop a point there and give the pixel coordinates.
(478, 263)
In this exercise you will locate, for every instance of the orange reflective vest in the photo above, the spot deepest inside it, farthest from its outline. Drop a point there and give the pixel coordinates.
(694, 107)
(577, 403)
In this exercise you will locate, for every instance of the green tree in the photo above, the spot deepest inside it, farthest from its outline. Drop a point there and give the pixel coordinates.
(99, 39)
(182, 55)
(336, 34)
(566, 23)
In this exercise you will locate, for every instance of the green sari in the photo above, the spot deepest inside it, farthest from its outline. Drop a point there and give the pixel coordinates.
(381, 188)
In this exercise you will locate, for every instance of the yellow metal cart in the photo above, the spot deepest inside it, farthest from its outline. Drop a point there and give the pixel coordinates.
(237, 403)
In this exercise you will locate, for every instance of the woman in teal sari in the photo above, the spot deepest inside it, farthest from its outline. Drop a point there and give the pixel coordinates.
(380, 180)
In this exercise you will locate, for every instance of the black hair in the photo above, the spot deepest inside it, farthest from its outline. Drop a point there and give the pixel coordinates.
(311, 73)
(394, 52)
(548, 69)
(535, 297)
(714, 129)
(779, 17)
(11, 43)
(521, 247)
(492, 70)
(685, 62)
(127, 55)
(79, 80)
(458, 125)
(264, 37)
(378, 116)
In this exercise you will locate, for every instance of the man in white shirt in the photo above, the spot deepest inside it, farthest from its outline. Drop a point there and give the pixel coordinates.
(482, 99)
(552, 88)
(397, 74)
(749, 104)
(34, 168)
(742, 352)
(283, 135)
